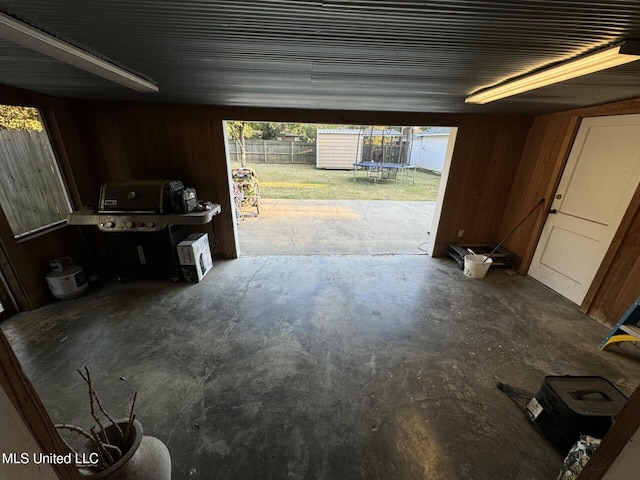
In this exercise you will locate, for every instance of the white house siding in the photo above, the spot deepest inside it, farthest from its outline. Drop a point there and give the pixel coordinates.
(428, 151)
(338, 149)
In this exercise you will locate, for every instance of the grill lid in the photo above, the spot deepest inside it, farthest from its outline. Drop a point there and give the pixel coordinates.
(140, 196)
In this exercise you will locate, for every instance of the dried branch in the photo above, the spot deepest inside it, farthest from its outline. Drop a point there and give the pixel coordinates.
(115, 449)
(100, 446)
(87, 380)
(69, 427)
(132, 417)
(92, 437)
(74, 428)
(104, 412)
(108, 454)
(94, 394)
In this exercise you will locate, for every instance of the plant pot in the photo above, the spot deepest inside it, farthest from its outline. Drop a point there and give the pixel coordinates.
(144, 457)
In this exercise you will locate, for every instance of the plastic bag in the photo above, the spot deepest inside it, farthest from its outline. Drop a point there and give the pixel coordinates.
(578, 457)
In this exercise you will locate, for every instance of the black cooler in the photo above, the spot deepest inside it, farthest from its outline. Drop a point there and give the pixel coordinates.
(566, 407)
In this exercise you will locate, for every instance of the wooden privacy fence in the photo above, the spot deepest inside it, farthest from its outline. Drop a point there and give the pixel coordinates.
(31, 191)
(274, 151)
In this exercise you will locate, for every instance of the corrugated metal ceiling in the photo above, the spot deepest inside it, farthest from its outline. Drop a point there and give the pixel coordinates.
(334, 54)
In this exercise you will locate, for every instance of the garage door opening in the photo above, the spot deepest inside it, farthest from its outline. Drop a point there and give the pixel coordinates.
(310, 189)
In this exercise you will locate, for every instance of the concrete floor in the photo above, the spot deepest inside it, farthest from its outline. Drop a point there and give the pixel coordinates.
(322, 367)
(336, 227)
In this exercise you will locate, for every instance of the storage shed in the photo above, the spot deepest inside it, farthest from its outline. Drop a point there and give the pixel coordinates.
(340, 148)
(428, 148)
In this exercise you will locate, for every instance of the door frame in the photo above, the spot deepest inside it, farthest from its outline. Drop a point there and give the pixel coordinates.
(444, 175)
(444, 178)
(634, 207)
(550, 192)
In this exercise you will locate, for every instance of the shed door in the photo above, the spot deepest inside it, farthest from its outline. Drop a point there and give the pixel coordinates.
(601, 176)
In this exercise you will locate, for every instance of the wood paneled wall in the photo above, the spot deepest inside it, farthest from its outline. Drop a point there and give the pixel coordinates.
(101, 142)
(617, 283)
(187, 142)
(537, 176)
(501, 166)
(25, 264)
(484, 162)
(157, 143)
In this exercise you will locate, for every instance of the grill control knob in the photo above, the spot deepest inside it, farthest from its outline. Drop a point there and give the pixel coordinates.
(129, 224)
(151, 224)
(109, 224)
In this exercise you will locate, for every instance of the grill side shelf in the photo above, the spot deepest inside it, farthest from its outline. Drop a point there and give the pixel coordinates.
(141, 222)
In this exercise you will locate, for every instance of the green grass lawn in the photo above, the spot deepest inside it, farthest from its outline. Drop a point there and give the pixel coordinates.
(307, 182)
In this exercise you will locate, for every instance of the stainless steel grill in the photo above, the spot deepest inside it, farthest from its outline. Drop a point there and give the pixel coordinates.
(139, 206)
(144, 221)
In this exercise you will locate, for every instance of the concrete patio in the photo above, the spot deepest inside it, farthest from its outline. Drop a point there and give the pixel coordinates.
(350, 367)
(336, 227)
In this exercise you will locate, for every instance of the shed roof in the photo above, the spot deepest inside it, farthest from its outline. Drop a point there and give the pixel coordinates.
(434, 131)
(365, 132)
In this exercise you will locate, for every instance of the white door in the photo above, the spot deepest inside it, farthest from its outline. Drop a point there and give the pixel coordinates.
(601, 176)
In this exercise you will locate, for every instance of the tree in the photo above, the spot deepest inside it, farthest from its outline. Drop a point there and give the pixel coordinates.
(306, 131)
(239, 131)
(19, 118)
(271, 131)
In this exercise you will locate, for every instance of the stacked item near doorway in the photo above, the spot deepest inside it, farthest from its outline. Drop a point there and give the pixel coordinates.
(246, 190)
(501, 257)
(195, 257)
(566, 407)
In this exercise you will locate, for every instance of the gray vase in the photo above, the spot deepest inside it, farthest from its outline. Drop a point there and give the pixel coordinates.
(146, 458)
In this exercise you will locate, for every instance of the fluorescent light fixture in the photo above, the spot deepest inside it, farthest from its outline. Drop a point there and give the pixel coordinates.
(27, 36)
(594, 62)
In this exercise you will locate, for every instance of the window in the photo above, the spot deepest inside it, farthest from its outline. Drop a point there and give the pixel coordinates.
(32, 193)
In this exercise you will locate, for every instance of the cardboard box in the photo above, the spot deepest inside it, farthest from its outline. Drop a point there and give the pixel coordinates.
(195, 257)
